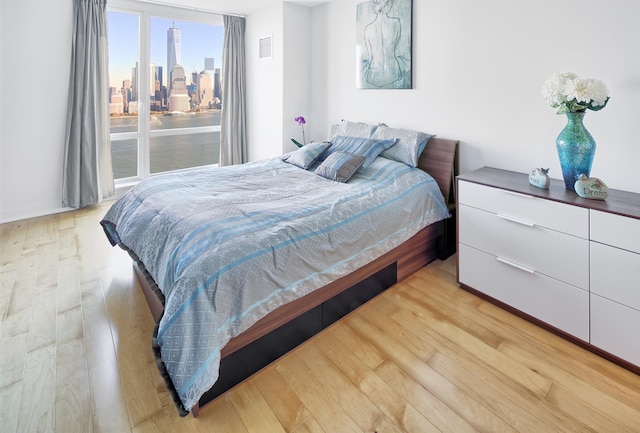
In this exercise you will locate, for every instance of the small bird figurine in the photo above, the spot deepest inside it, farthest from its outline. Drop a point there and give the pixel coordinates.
(539, 177)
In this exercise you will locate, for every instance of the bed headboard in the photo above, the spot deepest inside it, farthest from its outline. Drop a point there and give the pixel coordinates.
(440, 160)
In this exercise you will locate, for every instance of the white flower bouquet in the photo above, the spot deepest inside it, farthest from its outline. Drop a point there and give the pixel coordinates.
(570, 94)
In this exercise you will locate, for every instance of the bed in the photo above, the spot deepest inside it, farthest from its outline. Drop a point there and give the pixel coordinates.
(240, 264)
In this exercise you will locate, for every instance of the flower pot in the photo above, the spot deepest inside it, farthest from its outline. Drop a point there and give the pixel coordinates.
(576, 148)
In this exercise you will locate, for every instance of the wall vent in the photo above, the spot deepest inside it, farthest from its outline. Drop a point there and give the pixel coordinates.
(265, 47)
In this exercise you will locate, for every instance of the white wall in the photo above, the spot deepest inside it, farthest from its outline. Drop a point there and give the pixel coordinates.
(479, 66)
(296, 74)
(33, 98)
(278, 88)
(265, 84)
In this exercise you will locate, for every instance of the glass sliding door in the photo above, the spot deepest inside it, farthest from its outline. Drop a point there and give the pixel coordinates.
(123, 32)
(168, 118)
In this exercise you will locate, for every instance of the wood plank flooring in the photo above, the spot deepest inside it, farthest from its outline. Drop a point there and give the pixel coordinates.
(425, 356)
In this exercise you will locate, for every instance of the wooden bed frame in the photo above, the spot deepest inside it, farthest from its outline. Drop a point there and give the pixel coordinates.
(291, 324)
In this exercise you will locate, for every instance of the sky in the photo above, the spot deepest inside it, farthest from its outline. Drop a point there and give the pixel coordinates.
(123, 47)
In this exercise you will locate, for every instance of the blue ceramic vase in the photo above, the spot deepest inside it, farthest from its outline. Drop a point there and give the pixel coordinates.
(576, 148)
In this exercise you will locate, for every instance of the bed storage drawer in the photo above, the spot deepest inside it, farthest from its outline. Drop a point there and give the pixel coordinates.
(557, 303)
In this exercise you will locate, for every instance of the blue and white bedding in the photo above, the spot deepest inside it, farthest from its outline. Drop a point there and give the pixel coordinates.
(228, 245)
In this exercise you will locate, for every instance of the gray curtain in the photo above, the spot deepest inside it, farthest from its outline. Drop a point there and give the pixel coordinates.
(233, 129)
(88, 175)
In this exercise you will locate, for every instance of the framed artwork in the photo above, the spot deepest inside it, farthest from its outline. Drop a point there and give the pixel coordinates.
(383, 44)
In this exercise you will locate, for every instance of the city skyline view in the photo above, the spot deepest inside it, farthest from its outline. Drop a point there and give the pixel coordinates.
(123, 31)
(181, 90)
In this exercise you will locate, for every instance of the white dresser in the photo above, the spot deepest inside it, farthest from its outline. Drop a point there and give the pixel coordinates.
(569, 263)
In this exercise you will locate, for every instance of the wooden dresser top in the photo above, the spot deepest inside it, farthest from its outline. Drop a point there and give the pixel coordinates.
(618, 202)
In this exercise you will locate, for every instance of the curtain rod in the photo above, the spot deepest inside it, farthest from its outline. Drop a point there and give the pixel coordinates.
(190, 8)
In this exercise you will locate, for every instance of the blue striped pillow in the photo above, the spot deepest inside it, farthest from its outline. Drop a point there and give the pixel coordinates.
(340, 166)
(307, 155)
(368, 147)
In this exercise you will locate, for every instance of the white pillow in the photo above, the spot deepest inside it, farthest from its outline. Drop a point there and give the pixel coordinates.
(353, 129)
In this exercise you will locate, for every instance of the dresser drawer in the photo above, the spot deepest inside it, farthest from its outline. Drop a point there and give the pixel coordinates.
(572, 220)
(615, 274)
(615, 328)
(615, 230)
(555, 254)
(559, 304)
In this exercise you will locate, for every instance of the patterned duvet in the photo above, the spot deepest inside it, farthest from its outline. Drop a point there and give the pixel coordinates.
(228, 245)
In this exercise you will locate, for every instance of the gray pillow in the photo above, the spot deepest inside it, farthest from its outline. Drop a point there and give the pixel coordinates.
(340, 166)
(307, 155)
(409, 146)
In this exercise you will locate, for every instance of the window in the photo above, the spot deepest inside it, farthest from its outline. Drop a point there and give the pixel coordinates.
(169, 117)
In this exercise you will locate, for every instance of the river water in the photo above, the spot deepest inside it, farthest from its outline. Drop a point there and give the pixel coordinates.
(166, 153)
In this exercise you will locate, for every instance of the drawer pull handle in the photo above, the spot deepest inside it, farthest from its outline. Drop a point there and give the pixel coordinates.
(517, 194)
(515, 265)
(515, 220)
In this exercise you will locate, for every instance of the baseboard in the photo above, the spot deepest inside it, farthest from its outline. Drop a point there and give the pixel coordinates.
(7, 216)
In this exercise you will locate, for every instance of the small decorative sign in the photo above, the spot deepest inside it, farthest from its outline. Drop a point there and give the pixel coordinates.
(539, 177)
(591, 187)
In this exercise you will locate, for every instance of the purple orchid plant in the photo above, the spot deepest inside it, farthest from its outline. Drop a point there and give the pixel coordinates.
(300, 121)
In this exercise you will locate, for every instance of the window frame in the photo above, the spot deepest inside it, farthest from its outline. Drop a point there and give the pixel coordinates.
(145, 11)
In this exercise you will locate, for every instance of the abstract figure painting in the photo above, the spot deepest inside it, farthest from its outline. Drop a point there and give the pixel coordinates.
(383, 44)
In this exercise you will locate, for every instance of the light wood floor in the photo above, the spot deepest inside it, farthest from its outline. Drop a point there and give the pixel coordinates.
(423, 357)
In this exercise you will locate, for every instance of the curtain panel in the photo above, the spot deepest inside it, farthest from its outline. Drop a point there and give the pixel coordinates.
(88, 174)
(233, 130)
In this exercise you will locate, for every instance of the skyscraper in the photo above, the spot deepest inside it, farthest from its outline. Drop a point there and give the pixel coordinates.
(217, 88)
(134, 82)
(152, 82)
(205, 89)
(173, 53)
(179, 98)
